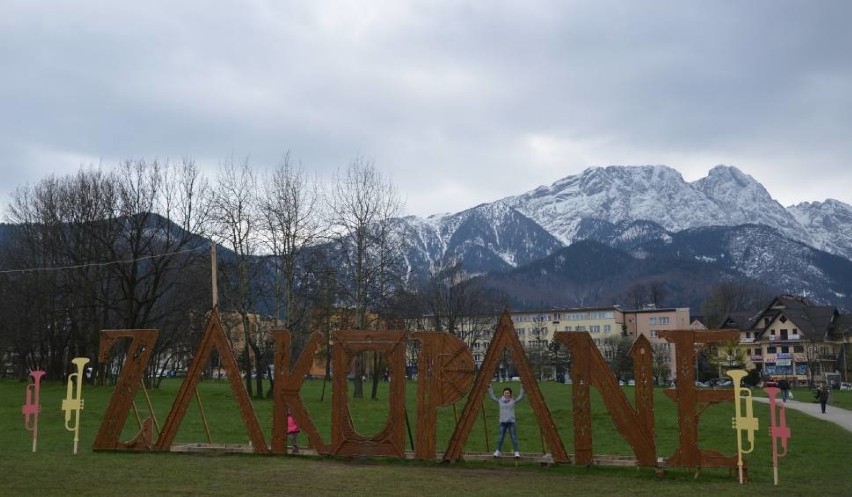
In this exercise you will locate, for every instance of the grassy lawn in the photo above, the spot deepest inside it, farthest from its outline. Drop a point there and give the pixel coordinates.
(818, 451)
(836, 398)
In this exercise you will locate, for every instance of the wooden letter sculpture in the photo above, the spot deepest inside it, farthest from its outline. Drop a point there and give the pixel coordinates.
(344, 439)
(141, 344)
(691, 402)
(286, 393)
(214, 337)
(505, 338)
(446, 372)
(588, 368)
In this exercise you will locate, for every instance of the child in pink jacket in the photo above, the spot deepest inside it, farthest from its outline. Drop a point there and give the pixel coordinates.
(293, 432)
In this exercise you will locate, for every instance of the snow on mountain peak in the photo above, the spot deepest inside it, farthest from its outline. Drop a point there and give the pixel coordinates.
(653, 193)
(623, 193)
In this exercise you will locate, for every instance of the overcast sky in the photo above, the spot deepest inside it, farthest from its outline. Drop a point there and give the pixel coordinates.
(458, 103)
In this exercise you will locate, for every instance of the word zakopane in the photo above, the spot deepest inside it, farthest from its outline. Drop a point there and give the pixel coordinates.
(446, 373)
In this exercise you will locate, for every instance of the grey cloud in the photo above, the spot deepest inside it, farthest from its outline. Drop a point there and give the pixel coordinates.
(447, 97)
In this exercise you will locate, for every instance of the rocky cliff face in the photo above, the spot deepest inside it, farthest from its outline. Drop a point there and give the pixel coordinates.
(726, 220)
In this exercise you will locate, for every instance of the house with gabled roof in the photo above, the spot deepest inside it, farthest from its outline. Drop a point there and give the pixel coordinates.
(794, 339)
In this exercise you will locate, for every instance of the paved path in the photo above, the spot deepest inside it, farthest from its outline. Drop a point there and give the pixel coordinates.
(834, 414)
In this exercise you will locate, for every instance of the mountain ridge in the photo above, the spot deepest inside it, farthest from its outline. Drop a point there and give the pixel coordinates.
(644, 211)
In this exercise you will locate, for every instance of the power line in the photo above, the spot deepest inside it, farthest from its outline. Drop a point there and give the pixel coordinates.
(97, 264)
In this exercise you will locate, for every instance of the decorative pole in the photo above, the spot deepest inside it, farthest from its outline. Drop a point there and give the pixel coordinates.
(214, 287)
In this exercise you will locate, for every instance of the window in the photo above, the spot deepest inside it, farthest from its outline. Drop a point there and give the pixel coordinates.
(607, 328)
(595, 328)
(771, 350)
(652, 333)
(663, 320)
(785, 350)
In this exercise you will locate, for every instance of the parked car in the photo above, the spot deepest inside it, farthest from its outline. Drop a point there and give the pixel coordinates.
(845, 387)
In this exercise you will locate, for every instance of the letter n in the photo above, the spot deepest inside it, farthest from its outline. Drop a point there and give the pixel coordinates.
(588, 367)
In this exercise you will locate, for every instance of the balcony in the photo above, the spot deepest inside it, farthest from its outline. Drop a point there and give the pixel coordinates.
(783, 338)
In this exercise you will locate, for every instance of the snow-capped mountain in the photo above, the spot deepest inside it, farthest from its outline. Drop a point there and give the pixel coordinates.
(642, 210)
(828, 225)
(726, 197)
(488, 237)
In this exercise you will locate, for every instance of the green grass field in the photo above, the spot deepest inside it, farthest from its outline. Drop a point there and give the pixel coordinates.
(819, 452)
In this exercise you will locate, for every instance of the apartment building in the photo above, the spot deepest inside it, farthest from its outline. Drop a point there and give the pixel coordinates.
(605, 325)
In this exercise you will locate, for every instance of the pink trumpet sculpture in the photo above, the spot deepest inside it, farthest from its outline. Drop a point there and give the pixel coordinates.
(31, 406)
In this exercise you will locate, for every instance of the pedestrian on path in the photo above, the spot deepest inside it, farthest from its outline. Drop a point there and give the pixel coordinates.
(784, 385)
(822, 396)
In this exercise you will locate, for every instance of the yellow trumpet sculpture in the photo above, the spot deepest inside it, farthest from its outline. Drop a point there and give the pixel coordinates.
(73, 401)
(744, 423)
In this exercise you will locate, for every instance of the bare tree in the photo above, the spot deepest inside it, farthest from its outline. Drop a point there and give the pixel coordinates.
(363, 207)
(292, 224)
(637, 295)
(617, 352)
(235, 224)
(661, 362)
(657, 293)
(727, 355)
(109, 256)
(731, 296)
(455, 302)
(183, 281)
(64, 228)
